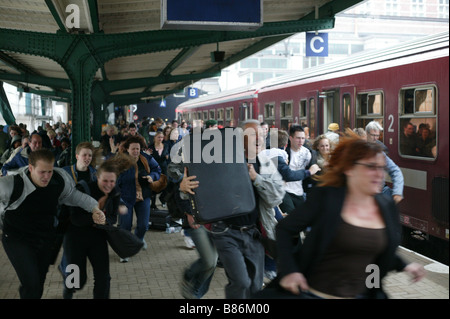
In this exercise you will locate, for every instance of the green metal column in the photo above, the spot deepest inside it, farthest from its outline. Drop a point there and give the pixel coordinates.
(80, 66)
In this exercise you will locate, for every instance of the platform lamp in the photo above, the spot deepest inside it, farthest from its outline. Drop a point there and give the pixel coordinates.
(217, 56)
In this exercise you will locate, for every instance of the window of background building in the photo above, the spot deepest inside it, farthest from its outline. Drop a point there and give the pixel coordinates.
(338, 48)
(260, 76)
(417, 8)
(273, 63)
(250, 63)
(443, 9)
(391, 7)
(354, 48)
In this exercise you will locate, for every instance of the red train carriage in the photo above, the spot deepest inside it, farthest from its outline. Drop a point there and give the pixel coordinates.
(403, 88)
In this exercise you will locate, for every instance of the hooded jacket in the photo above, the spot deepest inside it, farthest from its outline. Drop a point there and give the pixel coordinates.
(70, 196)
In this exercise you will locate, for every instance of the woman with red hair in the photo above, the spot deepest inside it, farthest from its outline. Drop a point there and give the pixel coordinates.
(355, 232)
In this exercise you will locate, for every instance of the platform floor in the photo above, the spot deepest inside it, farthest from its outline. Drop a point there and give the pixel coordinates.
(155, 274)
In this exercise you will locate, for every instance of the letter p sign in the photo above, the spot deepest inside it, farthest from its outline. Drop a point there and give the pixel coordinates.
(316, 45)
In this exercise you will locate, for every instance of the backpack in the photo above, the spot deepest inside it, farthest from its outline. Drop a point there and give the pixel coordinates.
(17, 191)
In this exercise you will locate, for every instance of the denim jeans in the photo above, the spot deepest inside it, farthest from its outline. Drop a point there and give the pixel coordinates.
(199, 274)
(142, 209)
(242, 256)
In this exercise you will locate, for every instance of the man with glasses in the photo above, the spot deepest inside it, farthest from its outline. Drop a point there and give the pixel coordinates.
(373, 130)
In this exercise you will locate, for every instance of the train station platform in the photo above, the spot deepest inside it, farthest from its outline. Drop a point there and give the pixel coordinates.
(155, 273)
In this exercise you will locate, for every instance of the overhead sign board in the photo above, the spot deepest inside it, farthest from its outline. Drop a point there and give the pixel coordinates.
(235, 15)
(192, 93)
(316, 44)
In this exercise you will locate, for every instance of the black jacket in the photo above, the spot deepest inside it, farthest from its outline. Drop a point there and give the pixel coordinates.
(322, 211)
(81, 218)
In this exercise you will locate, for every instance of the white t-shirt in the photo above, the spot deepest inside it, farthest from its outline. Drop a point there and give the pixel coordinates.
(299, 160)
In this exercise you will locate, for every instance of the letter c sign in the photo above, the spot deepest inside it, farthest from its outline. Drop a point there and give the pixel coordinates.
(316, 44)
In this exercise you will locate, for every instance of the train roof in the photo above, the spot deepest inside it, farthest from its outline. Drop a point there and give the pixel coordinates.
(239, 93)
(428, 47)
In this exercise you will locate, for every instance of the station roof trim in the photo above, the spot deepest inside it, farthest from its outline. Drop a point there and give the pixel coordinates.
(134, 59)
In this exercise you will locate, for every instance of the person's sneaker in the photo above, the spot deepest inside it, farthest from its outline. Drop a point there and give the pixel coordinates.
(186, 290)
(124, 260)
(189, 242)
(145, 245)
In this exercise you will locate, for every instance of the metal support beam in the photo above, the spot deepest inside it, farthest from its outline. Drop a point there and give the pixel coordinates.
(5, 108)
(81, 55)
(36, 79)
(117, 85)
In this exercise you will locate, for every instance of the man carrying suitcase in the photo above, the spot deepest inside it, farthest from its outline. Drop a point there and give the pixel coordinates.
(237, 239)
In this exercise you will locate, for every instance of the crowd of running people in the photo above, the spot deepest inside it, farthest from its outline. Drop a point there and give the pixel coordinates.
(323, 211)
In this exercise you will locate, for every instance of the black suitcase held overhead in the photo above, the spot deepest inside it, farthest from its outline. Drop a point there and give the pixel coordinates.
(217, 158)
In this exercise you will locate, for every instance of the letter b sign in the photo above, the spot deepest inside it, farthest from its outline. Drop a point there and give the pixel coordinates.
(193, 93)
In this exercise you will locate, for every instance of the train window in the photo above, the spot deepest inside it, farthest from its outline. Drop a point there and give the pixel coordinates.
(286, 109)
(229, 113)
(370, 104)
(312, 118)
(269, 111)
(417, 133)
(205, 115)
(199, 115)
(302, 110)
(220, 114)
(212, 114)
(369, 107)
(346, 102)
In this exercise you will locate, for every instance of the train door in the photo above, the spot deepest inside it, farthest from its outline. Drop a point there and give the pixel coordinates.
(347, 96)
(330, 108)
(245, 112)
(312, 114)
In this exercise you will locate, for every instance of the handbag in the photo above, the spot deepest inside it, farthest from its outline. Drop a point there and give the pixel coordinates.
(124, 243)
(159, 185)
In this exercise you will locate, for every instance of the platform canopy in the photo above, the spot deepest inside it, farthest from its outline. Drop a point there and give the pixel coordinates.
(116, 50)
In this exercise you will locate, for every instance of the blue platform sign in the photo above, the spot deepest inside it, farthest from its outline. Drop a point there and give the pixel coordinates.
(192, 93)
(237, 15)
(316, 44)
